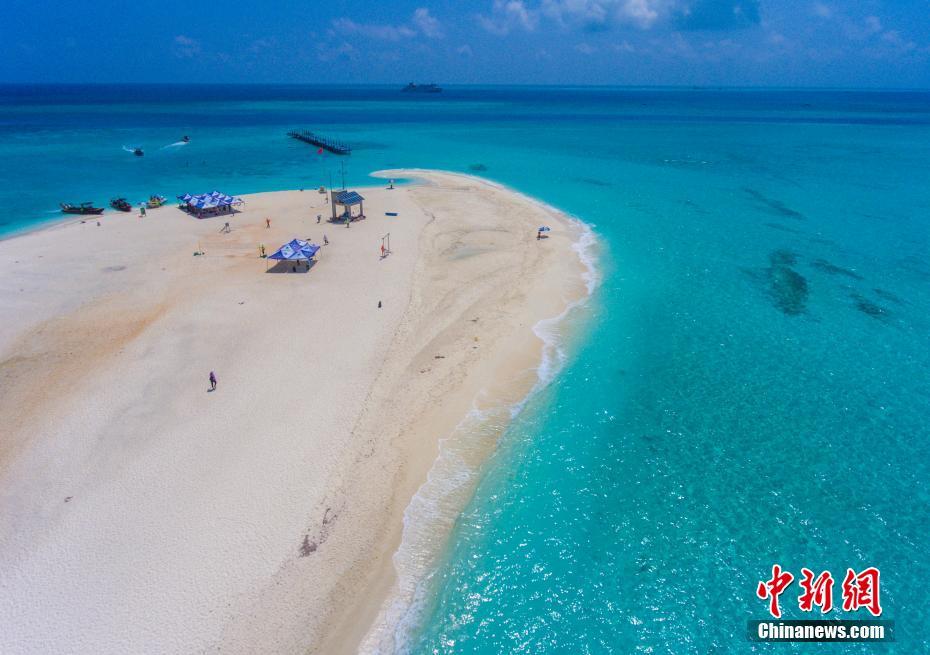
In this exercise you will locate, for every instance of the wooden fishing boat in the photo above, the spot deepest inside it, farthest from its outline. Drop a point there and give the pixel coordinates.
(83, 209)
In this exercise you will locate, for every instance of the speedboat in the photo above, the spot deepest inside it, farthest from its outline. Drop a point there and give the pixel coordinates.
(121, 204)
(83, 208)
(155, 202)
(138, 152)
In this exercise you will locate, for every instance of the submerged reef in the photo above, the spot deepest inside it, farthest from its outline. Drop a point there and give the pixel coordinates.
(774, 205)
(833, 269)
(868, 307)
(787, 288)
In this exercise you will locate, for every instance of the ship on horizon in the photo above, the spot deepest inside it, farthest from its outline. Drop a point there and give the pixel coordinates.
(422, 88)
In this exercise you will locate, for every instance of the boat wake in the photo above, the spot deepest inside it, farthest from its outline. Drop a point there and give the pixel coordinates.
(176, 144)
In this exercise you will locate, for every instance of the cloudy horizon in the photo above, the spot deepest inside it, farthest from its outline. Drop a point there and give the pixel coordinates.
(615, 42)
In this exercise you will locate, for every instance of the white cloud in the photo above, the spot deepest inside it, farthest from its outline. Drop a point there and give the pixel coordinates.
(465, 50)
(585, 48)
(894, 39)
(640, 12)
(185, 47)
(427, 24)
(343, 50)
(259, 45)
(507, 15)
(822, 10)
(602, 13)
(374, 31)
(777, 38)
(422, 22)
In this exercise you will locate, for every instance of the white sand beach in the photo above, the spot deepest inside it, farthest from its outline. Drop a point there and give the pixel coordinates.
(141, 513)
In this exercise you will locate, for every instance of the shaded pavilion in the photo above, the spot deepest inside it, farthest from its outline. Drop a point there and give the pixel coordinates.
(343, 203)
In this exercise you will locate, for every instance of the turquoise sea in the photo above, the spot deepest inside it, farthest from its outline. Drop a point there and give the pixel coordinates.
(749, 384)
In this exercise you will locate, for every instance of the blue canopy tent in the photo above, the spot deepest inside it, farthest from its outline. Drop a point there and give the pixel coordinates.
(296, 250)
(208, 203)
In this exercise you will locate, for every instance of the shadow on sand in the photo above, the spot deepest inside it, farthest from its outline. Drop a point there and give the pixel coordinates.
(291, 267)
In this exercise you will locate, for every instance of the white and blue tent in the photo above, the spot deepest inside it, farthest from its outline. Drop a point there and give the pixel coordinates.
(295, 250)
(213, 200)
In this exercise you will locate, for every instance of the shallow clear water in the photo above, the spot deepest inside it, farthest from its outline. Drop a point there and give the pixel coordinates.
(750, 384)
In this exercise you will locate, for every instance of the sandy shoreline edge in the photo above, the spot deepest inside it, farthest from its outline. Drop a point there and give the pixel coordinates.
(450, 480)
(265, 517)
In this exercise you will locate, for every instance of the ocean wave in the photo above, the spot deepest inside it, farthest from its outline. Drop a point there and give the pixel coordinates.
(432, 512)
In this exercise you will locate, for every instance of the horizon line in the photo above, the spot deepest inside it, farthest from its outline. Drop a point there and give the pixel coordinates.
(556, 85)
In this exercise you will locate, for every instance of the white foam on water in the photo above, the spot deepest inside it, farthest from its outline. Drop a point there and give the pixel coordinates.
(434, 509)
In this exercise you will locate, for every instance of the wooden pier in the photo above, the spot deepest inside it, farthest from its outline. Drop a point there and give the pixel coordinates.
(320, 142)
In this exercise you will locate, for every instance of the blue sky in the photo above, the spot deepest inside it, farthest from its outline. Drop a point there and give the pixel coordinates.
(869, 43)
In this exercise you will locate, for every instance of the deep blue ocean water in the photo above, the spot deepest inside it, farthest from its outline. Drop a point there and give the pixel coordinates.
(748, 385)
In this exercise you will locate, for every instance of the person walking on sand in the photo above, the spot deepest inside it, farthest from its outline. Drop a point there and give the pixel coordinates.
(267, 223)
(319, 217)
(212, 381)
(325, 240)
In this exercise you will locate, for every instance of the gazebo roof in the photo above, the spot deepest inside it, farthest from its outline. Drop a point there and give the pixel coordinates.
(347, 198)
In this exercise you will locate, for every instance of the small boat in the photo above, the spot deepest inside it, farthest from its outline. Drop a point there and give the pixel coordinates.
(155, 202)
(121, 204)
(138, 152)
(83, 208)
(186, 139)
(422, 88)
